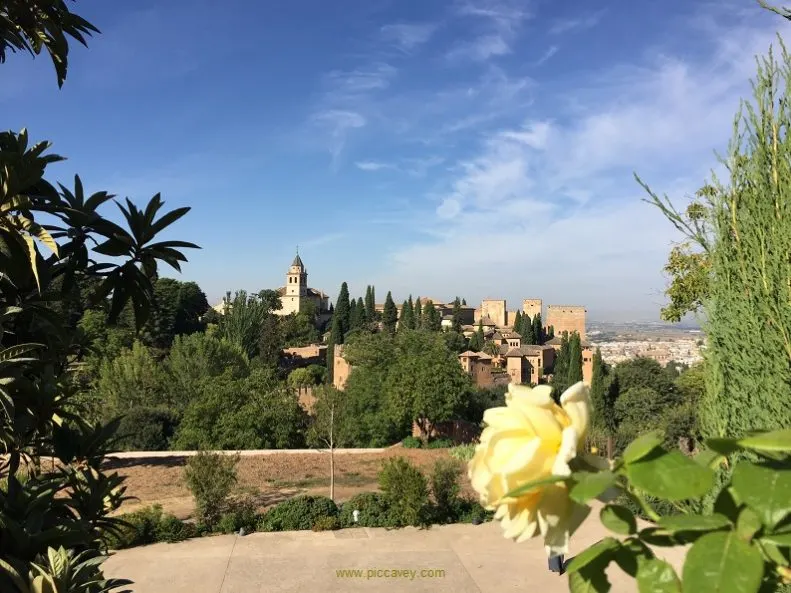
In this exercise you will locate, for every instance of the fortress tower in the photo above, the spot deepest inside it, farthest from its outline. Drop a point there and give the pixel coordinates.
(532, 307)
(566, 318)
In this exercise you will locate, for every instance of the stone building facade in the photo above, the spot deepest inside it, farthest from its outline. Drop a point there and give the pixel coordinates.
(566, 318)
(493, 309)
(532, 307)
(529, 364)
(478, 365)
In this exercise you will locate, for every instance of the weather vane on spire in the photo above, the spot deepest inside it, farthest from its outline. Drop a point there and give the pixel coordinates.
(297, 249)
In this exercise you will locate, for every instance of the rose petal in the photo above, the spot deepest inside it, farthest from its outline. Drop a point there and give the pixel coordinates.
(575, 401)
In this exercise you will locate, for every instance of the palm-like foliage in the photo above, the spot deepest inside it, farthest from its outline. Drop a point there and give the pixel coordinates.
(53, 519)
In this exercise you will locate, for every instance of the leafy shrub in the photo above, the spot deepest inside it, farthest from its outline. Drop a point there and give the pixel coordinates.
(445, 488)
(326, 524)
(411, 442)
(240, 514)
(172, 530)
(466, 510)
(373, 511)
(300, 512)
(463, 452)
(440, 444)
(404, 492)
(148, 526)
(147, 429)
(211, 477)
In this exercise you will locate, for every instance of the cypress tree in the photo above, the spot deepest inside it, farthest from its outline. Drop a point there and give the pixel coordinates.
(456, 324)
(405, 321)
(477, 339)
(431, 319)
(418, 315)
(370, 303)
(343, 310)
(330, 362)
(354, 315)
(389, 314)
(518, 323)
(463, 302)
(538, 329)
(560, 372)
(336, 331)
(411, 322)
(603, 412)
(575, 359)
(550, 332)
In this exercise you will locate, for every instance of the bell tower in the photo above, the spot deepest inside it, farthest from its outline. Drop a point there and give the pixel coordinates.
(297, 280)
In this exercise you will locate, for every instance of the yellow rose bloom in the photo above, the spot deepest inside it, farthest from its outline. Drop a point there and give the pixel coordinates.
(532, 438)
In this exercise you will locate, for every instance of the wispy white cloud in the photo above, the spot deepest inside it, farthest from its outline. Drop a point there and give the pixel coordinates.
(373, 165)
(408, 36)
(551, 51)
(497, 23)
(576, 24)
(343, 84)
(337, 124)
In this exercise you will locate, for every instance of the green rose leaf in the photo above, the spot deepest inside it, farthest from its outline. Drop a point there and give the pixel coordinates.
(618, 519)
(631, 553)
(778, 440)
(772, 551)
(601, 551)
(670, 475)
(723, 446)
(767, 491)
(748, 524)
(782, 540)
(589, 581)
(722, 563)
(642, 446)
(709, 458)
(657, 576)
(590, 485)
(694, 522)
(523, 489)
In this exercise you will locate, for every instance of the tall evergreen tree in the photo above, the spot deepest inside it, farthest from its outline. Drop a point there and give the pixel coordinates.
(431, 318)
(560, 372)
(389, 314)
(336, 330)
(418, 313)
(550, 332)
(343, 310)
(456, 324)
(463, 302)
(406, 316)
(527, 330)
(603, 406)
(745, 232)
(575, 359)
(370, 303)
(538, 329)
(477, 339)
(518, 323)
(410, 322)
(357, 315)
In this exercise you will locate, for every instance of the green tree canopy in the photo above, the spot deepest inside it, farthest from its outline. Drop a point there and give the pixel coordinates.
(575, 359)
(389, 314)
(255, 412)
(425, 383)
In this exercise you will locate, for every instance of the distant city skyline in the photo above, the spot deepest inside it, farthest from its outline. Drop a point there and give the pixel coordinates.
(481, 148)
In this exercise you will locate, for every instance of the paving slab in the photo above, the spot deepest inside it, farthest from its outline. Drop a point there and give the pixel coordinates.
(448, 558)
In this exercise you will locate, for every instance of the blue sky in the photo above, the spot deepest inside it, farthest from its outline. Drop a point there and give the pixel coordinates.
(482, 148)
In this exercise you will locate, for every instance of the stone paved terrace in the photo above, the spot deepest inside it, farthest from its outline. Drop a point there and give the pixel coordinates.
(473, 558)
